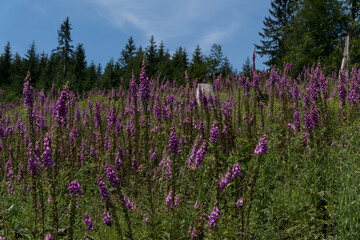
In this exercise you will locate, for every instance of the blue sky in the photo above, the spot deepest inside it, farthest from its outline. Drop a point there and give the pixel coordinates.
(104, 26)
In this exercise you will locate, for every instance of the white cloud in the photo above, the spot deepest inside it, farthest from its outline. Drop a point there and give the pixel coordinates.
(202, 21)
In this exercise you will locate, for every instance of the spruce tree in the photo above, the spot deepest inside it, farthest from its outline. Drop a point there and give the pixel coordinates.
(274, 31)
(197, 68)
(65, 48)
(79, 69)
(215, 59)
(5, 66)
(127, 54)
(180, 65)
(32, 63)
(151, 57)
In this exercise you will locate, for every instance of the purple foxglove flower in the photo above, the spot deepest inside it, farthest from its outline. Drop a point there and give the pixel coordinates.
(236, 171)
(107, 219)
(87, 222)
(28, 93)
(129, 205)
(168, 168)
(200, 155)
(196, 206)
(111, 176)
(314, 114)
(225, 181)
(176, 202)
(61, 106)
(292, 127)
(8, 164)
(133, 88)
(168, 201)
(239, 202)
(296, 117)
(103, 189)
(144, 85)
(261, 105)
(111, 118)
(213, 217)
(305, 137)
(90, 106)
(11, 189)
(214, 133)
(74, 134)
(48, 237)
(32, 164)
(309, 124)
(75, 188)
(262, 147)
(10, 174)
(157, 110)
(107, 145)
(173, 142)
(97, 116)
(153, 156)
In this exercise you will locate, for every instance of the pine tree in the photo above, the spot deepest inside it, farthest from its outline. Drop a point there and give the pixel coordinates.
(5, 66)
(151, 57)
(274, 31)
(18, 71)
(215, 59)
(163, 61)
(32, 64)
(246, 67)
(127, 54)
(180, 64)
(79, 69)
(92, 77)
(197, 68)
(64, 49)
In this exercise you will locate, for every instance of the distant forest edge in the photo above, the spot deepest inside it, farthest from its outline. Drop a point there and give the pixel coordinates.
(297, 31)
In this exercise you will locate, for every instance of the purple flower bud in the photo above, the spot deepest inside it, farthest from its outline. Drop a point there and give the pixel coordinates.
(111, 176)
(75, 188)
(168, 168)
(97, 116)
(214, 132)
(236, 171)
(103, 189)
(107, 219)
(32, 163)
(28, 92)
(225, 181)
(176, 202)
(173, 142)
(200, 155)
(61, 106)
(87, 222)
(144, 85)
(168, 201)
(262, 147)
(128, 204)
(213, 217)
(239, 202)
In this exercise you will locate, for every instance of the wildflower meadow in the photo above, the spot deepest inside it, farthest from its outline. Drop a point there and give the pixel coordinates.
(267, 156)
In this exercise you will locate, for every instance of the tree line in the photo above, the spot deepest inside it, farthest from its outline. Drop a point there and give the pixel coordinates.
(67, 63)
(307, 31)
